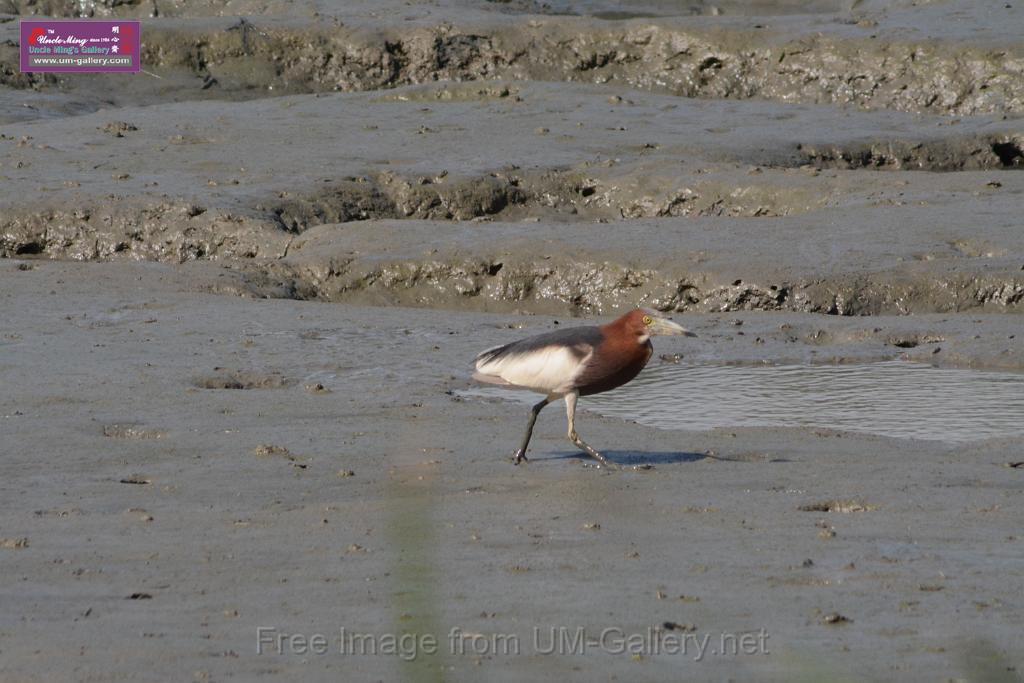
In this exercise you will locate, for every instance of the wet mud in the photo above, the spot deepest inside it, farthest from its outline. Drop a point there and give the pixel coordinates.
(241, 290)
(258, 507)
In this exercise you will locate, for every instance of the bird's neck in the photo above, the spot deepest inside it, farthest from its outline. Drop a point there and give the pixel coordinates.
(619, 334)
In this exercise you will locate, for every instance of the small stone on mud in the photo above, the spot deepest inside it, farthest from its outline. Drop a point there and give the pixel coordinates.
(836, 618)
(675, 626)
(264, 450)
(142, 514)
(236, 379)
(841, 506)
(117, 128)
(132, 431)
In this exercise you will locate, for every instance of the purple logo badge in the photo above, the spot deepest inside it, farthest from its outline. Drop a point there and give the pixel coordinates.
(80, 45)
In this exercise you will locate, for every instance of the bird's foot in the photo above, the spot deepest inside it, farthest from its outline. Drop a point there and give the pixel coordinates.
(519, 456)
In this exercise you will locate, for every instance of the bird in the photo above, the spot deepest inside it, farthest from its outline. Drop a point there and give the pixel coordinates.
(574, 362)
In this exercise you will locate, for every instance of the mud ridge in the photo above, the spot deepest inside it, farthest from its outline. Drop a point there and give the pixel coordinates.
(389, 196)
(663, 57)
(954, 154)
(177, 230)
(723, 64)
(168, 230)
(592, 287)
(510, 193)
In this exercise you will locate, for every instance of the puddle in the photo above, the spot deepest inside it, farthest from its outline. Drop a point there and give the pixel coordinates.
(893, 398)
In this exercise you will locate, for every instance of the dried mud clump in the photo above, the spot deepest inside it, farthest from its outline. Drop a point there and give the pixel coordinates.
(118, 128)
(132, 432)
(223, 378)
(910, 341)
(840, 506)
(275, 451)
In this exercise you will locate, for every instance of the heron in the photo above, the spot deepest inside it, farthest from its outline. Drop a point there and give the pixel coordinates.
(574, 362)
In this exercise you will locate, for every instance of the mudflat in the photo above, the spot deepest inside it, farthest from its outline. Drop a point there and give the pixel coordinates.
(240, 296)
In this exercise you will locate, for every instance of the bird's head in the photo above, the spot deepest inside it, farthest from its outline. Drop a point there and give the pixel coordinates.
(646, 323)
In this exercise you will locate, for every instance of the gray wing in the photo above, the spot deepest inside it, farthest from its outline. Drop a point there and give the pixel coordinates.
(580, 340)
(548, 363)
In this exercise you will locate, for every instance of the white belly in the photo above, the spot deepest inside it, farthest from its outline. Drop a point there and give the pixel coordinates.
(550, 371)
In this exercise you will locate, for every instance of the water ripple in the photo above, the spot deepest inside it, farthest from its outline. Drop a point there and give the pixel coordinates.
(894, 398)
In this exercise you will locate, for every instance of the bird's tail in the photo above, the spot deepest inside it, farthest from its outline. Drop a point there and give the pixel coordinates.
(489, 379)
(487, 356)
(488, 365)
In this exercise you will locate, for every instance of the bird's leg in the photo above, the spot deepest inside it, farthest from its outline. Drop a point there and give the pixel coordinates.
(570, 411)
(520, 455)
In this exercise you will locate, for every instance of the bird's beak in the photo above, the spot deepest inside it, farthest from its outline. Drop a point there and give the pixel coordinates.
(667, 327)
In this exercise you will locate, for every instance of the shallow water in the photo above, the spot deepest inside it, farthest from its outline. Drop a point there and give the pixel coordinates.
(893, 398)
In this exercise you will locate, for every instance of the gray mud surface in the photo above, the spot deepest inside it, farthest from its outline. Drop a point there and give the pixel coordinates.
(239, 296)
(171, 444)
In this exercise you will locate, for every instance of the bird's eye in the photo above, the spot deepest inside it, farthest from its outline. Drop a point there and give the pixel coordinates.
(648, 320)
